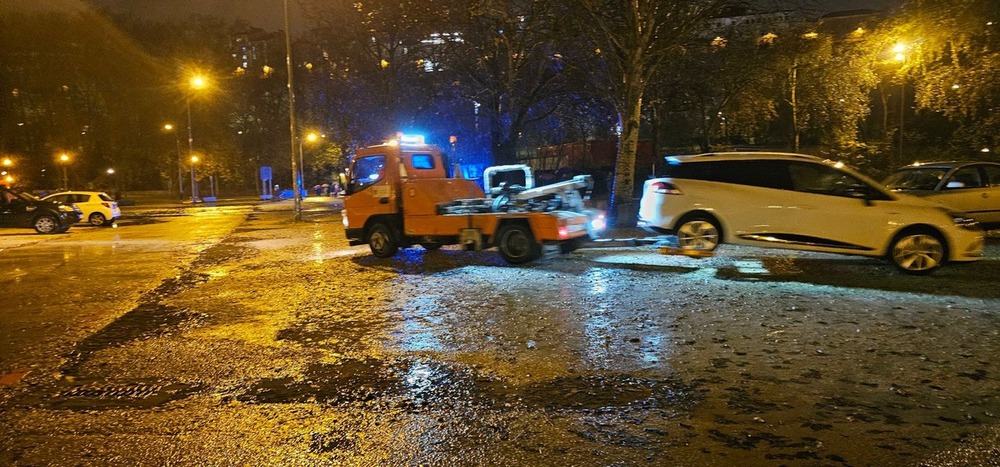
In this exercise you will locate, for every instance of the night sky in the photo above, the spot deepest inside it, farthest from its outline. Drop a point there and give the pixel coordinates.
(268, 14)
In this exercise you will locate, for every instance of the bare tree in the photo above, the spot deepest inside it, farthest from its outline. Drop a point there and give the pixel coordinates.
(632, 40)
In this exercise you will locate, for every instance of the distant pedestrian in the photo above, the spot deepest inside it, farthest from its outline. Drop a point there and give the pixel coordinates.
(318, 189)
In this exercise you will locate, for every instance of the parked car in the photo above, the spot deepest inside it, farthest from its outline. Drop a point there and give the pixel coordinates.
(801, 202)
(98, 208)
(969, 187)
(20, 209)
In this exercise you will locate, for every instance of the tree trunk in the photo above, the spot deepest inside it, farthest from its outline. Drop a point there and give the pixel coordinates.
(622, 208)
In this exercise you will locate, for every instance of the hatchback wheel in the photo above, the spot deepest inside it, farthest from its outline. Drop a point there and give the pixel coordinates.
(46, 224)
(698, 233)
(918, 253)
(98, 219)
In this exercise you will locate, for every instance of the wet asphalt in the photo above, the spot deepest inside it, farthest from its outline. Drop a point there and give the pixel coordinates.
(232, 335)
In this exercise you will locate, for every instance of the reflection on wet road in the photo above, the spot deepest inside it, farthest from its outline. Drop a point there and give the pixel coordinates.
(245, 338)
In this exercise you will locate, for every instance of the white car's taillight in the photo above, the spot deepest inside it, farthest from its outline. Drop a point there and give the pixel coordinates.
(664, 188)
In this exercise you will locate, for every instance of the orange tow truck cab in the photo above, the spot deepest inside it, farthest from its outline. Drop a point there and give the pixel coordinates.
(398, 194)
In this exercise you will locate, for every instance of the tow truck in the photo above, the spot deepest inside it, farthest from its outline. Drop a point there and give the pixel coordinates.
(399, 194)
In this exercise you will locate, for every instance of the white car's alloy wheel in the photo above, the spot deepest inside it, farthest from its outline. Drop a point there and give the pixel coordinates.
(918, 253)
(698, 234)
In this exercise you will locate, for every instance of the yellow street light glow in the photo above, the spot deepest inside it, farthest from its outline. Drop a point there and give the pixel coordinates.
(111, 171)
(194, 159)
(899, 48)
(899, 57)
(7, 162)
(168, 127)
(312, 137)
(64, 157)
(9, 179)
(198, 82)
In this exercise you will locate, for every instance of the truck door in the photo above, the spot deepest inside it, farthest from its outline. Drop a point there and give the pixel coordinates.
(369, 190)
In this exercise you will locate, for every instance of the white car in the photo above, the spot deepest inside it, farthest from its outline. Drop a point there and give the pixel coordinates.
(969, 187)
(801, 202)
(98, 208)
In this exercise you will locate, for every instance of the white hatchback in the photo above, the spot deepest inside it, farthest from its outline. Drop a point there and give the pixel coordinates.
(801, 202)
(98, 208)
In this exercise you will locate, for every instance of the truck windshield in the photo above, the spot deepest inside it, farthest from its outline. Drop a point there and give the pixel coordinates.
(368, 170)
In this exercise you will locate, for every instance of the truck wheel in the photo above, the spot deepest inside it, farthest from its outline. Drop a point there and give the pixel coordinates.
(383, 241)
(517, 245)
(569, 246)
(46, 224)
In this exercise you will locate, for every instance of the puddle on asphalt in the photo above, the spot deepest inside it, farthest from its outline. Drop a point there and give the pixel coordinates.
(222, 252)
(148, 319)
(425, 383)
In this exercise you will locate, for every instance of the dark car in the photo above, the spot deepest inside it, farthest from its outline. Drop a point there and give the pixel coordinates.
(20, 209)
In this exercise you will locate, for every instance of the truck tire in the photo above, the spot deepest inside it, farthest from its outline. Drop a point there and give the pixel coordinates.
(382, 240)
(516, 244)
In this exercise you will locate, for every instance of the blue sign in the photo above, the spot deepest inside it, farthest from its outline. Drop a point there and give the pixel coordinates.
(265, 172)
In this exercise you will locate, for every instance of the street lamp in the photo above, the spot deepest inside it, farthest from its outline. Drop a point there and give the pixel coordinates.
(180, 163)
(64, 160)
(194, 183)
(196, 82)
(899, 51)
(312, 137)
(292, 132)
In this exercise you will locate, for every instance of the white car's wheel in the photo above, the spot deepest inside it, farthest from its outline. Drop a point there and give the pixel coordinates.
(698, 233)
(917, 252)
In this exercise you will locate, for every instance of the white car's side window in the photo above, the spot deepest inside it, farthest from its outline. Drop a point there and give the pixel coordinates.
(966, 177)
(815, 178)
(992, 175)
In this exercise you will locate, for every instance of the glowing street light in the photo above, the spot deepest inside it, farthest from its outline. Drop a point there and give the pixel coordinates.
(7, 162)
(196, 83)
(311, 137)
(899, 51)
(194, 183)
(64, 161)
(180, 163)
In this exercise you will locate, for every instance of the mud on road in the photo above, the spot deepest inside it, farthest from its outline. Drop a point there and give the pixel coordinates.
(282, 345)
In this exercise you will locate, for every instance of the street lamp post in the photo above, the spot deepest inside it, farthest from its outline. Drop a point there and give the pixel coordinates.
(194, 183)
(180, 162)
(900, 56)
(64, 160)
(196, 82)
(311, 137)
(292, 132)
